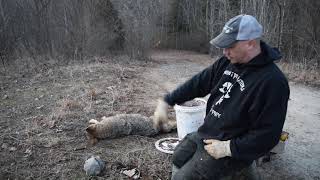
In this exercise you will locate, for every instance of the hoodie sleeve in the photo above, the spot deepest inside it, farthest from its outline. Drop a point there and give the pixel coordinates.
(267, 113)
(198, 86)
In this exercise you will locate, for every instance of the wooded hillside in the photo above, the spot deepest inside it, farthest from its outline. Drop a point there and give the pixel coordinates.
(79, 28)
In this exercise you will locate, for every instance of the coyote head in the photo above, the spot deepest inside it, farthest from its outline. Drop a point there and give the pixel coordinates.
(92, 131)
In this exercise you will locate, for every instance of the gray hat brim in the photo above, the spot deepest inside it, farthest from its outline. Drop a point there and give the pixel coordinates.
(224, 40)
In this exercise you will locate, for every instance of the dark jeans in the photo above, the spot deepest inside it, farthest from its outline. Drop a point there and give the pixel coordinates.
(193, 162)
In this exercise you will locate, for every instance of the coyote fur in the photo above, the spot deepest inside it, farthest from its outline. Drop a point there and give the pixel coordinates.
(126, 124)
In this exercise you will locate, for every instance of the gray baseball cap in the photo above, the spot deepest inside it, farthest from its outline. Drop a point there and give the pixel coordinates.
(241, 27)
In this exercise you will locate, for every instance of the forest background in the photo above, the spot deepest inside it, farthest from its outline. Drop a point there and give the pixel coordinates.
(68, 30)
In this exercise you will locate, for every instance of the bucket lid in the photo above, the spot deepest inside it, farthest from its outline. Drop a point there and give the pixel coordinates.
(167, 145)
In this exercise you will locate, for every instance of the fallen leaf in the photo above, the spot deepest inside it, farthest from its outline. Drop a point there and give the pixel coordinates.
(79, 148)
(28, 151)
(52, 124)
(40, 107)
(132, 173)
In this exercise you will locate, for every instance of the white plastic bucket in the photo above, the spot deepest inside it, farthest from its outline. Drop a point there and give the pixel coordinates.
(189, 119)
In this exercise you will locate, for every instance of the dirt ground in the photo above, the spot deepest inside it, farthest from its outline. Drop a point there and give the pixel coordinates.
(45, 108)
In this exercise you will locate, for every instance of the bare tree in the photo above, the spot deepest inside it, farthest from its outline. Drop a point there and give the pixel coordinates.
(78, 28)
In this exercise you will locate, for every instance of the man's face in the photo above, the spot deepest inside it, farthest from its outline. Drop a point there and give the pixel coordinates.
(238, 52)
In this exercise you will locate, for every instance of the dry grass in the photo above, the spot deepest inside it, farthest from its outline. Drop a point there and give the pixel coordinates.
(44, 136)
(71, 105)
(300, 72)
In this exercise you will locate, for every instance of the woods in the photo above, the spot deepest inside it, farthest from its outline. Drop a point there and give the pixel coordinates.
(80, 28)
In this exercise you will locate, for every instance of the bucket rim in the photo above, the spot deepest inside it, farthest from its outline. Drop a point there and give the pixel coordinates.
(191, 109)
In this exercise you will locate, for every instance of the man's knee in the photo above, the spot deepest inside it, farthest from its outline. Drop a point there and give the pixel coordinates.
(184, 151)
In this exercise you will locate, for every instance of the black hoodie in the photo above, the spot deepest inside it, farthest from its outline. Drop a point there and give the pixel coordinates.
(248, 103)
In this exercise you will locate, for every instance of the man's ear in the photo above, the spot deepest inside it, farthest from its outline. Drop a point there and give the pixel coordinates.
(253, 43)
(250, 44)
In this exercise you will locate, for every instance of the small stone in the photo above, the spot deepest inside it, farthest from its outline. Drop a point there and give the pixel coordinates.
(36, 99)
(5, 97)
(94, 166)
(99, 102)
(38, 76)
(4, 146)
(12, 149)
(50, 71)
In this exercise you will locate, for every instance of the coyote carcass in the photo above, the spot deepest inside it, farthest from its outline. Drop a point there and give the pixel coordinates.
(126, 124)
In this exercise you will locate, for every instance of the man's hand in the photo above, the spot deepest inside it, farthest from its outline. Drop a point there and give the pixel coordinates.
(217, 149)
(160, 116)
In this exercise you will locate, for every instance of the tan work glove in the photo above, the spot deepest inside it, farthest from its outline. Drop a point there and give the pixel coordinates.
(217, 149)
(160, 116)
